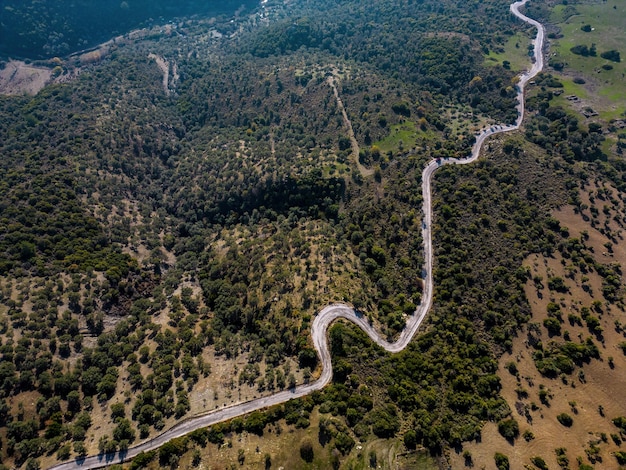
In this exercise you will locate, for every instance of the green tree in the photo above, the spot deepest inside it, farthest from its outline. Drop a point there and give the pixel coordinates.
(508, 428)
(306, 452)
(565, 419)
(502, 461)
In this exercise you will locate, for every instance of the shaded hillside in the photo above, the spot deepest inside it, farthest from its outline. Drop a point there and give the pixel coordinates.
(40, 30)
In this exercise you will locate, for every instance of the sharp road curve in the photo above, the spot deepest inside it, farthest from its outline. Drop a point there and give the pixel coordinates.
(336, 311)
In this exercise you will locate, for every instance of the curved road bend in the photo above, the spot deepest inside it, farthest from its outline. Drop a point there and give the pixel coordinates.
(335, 311)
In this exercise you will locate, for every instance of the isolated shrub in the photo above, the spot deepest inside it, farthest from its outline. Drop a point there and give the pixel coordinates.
(565, 419)
(306, 452)
(553, 326)
(557, 284)
(580, 49)
(611, 55)
(620, 422)
(511, 367)
(508, 428)
(502, 461)
(561, 457)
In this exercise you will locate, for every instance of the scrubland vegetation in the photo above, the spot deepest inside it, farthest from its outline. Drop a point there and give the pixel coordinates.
(163, 255)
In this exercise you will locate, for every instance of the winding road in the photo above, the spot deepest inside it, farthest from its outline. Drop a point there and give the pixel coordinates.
(336, 311)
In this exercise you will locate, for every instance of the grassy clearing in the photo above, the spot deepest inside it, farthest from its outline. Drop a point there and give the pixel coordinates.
(336, 168)
(515, 51)
(571, 88)
(401, 136)
(462, 120)
(606, 88)
(607, 145)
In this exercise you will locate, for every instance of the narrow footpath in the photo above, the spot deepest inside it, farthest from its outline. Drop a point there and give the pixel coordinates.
(353, 142)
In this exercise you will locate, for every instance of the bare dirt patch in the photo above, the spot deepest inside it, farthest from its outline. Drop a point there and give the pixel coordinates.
(19, 78)
(592, 395)
(164, 65)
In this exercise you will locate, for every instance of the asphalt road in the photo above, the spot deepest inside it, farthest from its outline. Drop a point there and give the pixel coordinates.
(336, 311)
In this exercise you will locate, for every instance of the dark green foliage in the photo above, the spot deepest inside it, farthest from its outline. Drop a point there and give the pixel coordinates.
(584, 51)
(307, 357)
(172, 450)
(611, 55)
(197, 458)
(562, 358)
(45, 30)
(560, 133)
(215, 435)
(512, 368)
(385, 422)
(502, 461)
(54, 232)
(553, 326)
(402, 109)
(255, 423)
(123, 431)
(341, 370)
(620, 422)
(142, 460)
(309, 193)
(539, 462)
(64, 452)
(508, 428)
(306, 451)
(410, 439)
(32, 464)
(81, 155)
(557, 284)
(287, 36)
(561, 457)
(565, 419)
(344, 443)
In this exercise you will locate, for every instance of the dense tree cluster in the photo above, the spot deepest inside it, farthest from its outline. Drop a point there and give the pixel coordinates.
(43, 30)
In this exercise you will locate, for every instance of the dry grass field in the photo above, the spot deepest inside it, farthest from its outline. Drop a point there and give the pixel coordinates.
(593, 394)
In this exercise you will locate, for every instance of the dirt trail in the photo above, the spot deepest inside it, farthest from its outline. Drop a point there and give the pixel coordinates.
(165, 68)
(355, 145)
